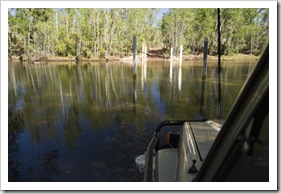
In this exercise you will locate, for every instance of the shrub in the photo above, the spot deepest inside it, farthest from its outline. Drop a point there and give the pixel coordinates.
(102, 54)
(187, 51)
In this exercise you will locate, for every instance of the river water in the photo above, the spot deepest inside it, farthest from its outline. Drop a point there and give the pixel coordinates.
(88, 122)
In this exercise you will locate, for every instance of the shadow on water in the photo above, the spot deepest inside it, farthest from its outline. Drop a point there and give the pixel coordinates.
(45, 169)
(14, 123)
(89, 122)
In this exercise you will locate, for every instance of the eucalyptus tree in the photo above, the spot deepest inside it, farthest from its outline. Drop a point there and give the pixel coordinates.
(37, 33)
(176, 28)
(62, 44)
(121, 33)
(43, 22)
(231, 23)
(203, 25)
(151, 32)
(257, 27)
(30, 32)
(19, 32)
(95, 25)
(129, 22)
(133, 26)
(242, 30)
(263, 21)
(15, 39)
(110, 27)
(84, 33)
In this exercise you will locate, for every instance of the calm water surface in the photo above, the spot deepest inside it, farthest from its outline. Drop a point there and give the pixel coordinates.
(88, 122)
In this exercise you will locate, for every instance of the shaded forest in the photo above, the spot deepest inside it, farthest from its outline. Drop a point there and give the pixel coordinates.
(39, 34)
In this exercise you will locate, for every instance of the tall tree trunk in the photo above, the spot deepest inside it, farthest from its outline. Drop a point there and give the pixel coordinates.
(251, 43)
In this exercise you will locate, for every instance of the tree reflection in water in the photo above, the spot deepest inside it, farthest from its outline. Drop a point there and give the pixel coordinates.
(14, 123)
(88, 122)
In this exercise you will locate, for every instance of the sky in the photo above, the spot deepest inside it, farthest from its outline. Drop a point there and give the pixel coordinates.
(160, 14)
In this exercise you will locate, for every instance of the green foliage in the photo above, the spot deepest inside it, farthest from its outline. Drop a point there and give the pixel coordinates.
(242, 30)
(166, 54)
(102, 54)
(36, 33)
(187, 51)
